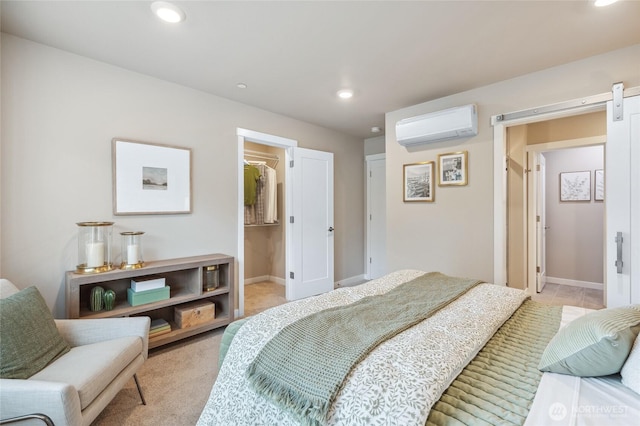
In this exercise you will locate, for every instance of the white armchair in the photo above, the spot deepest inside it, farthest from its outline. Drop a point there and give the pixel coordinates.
(76, 387)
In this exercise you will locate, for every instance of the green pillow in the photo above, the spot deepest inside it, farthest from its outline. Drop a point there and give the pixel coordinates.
(596, 344)
(29, 338)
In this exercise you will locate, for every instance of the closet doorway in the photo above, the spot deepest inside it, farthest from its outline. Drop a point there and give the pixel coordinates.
(260, 263)
(305, 216)
(264, 236)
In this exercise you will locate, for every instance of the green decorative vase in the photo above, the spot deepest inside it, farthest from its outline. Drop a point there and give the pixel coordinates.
(109, 299)
(96, 303)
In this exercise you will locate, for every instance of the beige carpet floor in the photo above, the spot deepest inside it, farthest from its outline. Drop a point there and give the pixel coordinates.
(261, 296)
(176, 381)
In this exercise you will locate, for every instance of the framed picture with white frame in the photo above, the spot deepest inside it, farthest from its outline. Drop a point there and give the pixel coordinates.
(575, 186)
(150, 178)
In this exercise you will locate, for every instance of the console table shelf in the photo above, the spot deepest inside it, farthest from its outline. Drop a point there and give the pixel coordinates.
(184, 276)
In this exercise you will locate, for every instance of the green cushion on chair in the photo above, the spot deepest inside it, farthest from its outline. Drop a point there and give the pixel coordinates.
(29, 338)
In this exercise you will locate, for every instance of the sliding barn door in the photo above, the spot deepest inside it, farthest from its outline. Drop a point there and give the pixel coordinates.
(622, 199)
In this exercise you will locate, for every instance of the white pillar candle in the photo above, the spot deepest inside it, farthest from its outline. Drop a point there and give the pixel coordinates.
(133, 254)
(95, 255)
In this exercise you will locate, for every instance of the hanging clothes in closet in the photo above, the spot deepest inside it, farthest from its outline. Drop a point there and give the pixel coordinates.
(270, 195)
(260, 194)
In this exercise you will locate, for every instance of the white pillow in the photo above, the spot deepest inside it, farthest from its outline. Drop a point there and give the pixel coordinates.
(631, 369)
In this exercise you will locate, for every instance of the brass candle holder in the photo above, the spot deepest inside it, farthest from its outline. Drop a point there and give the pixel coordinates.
(132, 250)
(94, 247)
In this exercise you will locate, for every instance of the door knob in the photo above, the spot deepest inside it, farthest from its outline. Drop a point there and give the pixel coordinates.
(331, 229)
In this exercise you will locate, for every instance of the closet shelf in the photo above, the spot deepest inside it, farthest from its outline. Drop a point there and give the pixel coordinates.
(262, 225)
(269, 159)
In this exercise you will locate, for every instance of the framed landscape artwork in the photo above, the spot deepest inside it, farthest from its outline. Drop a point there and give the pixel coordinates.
(150, 178)
(418, 182)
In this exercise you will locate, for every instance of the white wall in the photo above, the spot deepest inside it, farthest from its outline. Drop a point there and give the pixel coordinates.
(454, 234)
(59, 114)
(374, 145)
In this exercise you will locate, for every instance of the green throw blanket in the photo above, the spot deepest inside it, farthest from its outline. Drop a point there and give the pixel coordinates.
(303, 367)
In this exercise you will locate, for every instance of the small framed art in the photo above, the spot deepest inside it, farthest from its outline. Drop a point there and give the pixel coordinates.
(150, 178)
(452, 169)
(598, 194)
(575, 186)
(418, 182)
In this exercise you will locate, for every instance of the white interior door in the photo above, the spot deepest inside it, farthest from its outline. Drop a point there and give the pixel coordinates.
(622, 204)
(376, 259)
(541, 222)
(311, 224)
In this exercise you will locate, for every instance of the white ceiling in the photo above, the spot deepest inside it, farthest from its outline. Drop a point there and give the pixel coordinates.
(295, 55)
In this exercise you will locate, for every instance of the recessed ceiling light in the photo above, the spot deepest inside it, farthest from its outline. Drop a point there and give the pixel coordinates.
(375, 129)
(602, 3)
(345, 94)
(168, 12)
(241, 86)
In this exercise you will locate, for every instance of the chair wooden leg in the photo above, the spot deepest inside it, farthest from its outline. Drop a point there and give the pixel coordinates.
(135, 377)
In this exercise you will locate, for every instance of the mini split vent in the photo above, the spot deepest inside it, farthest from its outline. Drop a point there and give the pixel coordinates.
(453, 123)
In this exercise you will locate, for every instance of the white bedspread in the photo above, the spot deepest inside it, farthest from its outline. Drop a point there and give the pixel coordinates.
(396, 384)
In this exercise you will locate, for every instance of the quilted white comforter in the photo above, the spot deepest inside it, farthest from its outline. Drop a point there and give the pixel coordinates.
(395, 385)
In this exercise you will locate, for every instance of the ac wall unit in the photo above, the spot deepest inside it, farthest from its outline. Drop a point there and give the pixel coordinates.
(452, 123)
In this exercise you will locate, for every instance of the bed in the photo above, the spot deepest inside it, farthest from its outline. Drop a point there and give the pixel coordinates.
(473, 359)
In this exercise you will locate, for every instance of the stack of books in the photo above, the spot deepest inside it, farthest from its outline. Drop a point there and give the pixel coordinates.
(147, 289)
(158, 328)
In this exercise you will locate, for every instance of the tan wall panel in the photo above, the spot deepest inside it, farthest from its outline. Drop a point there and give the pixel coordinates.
(575, 127)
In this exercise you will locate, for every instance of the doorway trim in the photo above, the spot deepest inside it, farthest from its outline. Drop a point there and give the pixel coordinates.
(500, 124)
(245, 135)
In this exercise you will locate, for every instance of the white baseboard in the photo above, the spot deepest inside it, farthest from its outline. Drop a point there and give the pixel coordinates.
(277, 280)
(262, 278)
(575, 283)
(350, 282)
(347, 282)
